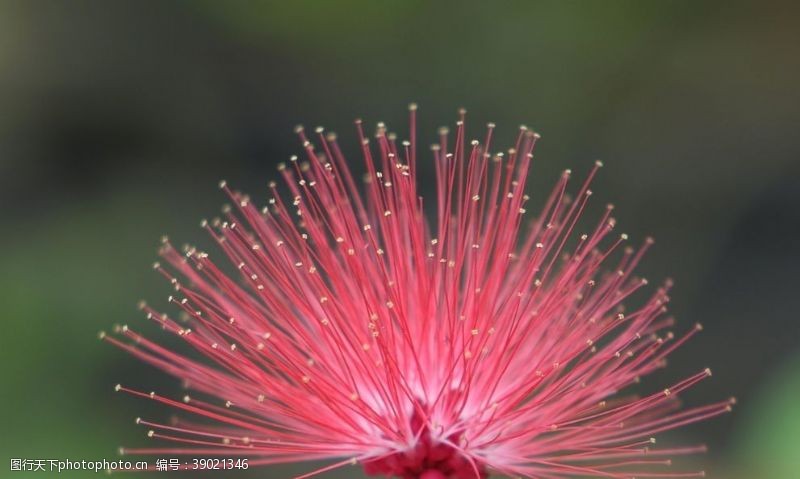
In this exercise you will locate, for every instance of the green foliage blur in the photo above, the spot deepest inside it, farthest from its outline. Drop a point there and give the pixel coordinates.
(117, 118)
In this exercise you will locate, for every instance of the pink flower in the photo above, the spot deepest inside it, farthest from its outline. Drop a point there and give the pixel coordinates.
(354, 330)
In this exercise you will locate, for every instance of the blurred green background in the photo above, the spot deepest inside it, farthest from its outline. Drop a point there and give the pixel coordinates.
(117, 118)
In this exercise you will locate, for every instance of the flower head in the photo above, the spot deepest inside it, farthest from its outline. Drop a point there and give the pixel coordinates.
(352, 329)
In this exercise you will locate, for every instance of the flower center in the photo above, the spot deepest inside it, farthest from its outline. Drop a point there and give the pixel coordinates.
(429, 459)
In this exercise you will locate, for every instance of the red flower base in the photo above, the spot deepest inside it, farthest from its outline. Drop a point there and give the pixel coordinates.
(429, 459)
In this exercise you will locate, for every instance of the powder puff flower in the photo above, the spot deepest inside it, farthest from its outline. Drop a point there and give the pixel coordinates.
(360, 324)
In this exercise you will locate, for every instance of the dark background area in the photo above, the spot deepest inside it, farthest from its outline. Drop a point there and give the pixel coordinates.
(118, 118)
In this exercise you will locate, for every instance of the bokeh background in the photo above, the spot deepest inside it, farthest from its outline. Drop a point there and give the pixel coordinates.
(117, 119)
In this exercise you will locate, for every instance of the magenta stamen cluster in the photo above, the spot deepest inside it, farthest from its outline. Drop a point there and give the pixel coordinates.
(338, 323)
